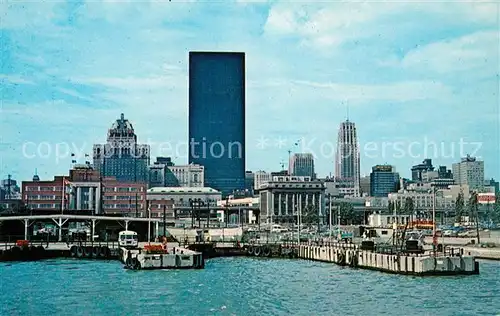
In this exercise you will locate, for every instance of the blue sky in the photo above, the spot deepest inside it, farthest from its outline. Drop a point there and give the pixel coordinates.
(413, 74)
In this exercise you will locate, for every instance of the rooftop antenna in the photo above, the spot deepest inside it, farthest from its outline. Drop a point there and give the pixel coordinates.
(347, 111)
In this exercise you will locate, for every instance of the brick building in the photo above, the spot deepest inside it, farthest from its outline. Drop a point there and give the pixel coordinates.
(124, 198)
(46, 197)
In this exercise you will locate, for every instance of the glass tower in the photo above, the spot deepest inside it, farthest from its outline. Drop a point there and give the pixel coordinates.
(217, 118)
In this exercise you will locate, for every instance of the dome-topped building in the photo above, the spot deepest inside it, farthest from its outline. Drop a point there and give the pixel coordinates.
(121, 156)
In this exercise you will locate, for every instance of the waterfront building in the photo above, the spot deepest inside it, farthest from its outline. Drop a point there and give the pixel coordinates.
(122, 157)
(244, 214)
(85, 189)
(217, 118)
(46, 197)
(387, 220)
(183, 197)
(302, 165)
(191, 175)
(283, 198)
(347, 172)
(161, 208)
(260, 178)
(124, 198)
(469, 171)
(383, 180)
(423, 200)
(416, 170)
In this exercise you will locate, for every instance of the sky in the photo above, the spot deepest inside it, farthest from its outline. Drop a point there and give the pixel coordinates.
(419, 79)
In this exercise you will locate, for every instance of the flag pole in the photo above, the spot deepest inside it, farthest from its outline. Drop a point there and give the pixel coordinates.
(63, 193)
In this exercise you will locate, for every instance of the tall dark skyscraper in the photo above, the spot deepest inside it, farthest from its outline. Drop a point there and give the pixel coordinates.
(217, 118)
(347, 158)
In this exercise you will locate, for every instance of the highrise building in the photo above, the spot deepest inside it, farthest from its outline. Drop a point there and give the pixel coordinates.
(302, 165)
(417, 170)
(347, 159)
(383, 180)
(121, 157)
(217, 118)
(469, 171)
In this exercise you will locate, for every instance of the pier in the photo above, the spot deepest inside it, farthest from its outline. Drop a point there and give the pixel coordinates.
(454, 262)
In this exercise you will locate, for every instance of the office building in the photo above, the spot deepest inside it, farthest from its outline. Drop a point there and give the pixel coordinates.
(261, 177)
(249, 183)
(122, 157)
(444, 173)
(217, 118)
(383, 180)
(160, 174)
(191, 175)
(124, 198)
(416, 170)
(302, 165)
(285, 197)
(46, 197)
(469, 171)
(181, 199)
(364, 185)
(347, 159)
(9, 190)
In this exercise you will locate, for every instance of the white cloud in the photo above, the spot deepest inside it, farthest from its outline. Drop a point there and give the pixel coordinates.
(478, 51)
(327, 25)
(132, 83)
(396, 92)
(15, 79)
(22, 14)
(74, 93)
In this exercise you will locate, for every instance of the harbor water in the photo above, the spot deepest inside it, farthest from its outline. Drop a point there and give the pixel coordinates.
(239, 286)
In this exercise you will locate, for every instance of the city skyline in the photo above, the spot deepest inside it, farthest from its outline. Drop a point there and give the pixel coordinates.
(64, 82)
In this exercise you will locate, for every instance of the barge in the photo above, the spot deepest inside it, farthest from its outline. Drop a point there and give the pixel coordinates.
(158, 256)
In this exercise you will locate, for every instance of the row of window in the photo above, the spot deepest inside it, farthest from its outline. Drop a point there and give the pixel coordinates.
(44, 188)
(124, 206)
(123, 197)
(122, 189)
(44, 206)
(40, 197)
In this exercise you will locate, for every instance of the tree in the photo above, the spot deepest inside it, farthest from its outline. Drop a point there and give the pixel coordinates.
(474, 213)
(495, 215)
(459, 207)
(310, 215)
(390, 207)
(472, 206)
(347, 215)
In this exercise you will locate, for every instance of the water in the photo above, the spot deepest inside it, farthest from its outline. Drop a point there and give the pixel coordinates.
(239, 286)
